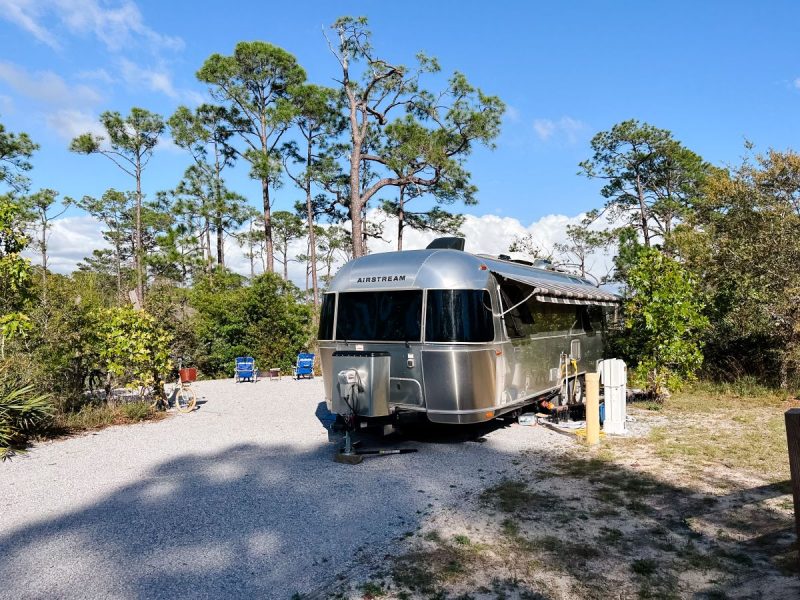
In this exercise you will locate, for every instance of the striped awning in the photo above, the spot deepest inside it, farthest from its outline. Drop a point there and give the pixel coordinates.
(563, 289)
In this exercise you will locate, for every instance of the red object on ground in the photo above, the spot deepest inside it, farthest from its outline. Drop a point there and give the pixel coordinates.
(189, 374)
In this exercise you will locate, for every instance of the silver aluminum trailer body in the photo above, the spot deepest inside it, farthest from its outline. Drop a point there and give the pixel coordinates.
(460, 350)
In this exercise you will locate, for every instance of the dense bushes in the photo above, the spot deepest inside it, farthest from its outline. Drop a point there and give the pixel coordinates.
(266, 320)
(664, 324)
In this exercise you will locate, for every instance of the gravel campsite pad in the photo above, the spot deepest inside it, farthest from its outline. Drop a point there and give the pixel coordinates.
(239, 498)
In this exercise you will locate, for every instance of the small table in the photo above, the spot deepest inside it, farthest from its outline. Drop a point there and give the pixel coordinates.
(274, 374)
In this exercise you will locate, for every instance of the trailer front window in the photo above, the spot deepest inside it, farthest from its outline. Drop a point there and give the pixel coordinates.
(459, 316)
(326, 317)
(390, 316)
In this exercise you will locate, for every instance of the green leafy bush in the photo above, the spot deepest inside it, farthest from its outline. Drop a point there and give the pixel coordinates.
(22, 411)
(664, 322)
(133, 347)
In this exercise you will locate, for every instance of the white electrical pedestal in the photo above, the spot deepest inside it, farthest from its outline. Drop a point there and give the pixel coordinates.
(614, 377)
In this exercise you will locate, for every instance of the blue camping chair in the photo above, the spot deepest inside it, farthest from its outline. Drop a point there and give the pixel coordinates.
(304, 366)
(245, 369)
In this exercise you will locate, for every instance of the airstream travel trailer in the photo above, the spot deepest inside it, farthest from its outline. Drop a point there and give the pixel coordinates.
(456, 337)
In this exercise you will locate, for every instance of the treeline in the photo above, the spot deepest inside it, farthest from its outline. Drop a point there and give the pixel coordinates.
(708, 258)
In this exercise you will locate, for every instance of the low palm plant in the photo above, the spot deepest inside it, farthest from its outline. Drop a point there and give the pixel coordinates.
(22, 411)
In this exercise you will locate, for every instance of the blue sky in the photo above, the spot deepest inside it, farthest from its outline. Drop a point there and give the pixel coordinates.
(714, 73)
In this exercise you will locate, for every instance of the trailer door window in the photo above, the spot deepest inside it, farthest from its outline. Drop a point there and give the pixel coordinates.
(459, 316)
(391, 316)
(326, 317)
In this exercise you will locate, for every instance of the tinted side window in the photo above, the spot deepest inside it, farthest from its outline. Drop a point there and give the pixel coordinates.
(326, 317)
(391, 316)
(459, 316)
(553, 317)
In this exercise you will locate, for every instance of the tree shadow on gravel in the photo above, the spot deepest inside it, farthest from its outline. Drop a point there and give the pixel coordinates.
(271, 521)
(254, 520)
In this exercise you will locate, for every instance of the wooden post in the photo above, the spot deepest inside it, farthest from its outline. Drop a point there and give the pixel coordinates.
(792, 417)
(592, 408)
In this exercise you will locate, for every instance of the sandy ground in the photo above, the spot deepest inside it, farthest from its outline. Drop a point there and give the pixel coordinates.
(239, 499)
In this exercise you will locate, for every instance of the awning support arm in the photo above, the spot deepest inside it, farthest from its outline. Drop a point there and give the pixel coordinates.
(520, 303)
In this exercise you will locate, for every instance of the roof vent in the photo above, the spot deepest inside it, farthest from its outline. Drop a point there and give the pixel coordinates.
(447, 243)
(543, 263)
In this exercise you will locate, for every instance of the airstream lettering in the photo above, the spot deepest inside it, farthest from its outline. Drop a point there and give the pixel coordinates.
(456, 337)
(384, 278)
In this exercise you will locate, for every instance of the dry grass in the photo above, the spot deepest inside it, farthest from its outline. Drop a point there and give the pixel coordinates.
(92, 417)
(738, 427)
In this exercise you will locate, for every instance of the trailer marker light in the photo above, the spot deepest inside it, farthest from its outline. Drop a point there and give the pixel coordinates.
(483, 267)
(490, 414)
(498, 353)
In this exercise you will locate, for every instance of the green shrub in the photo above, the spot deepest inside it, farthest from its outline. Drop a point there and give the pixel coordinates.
(266, 320)
(136, 411)
(133, 347)
(22, 412)
(664, 323)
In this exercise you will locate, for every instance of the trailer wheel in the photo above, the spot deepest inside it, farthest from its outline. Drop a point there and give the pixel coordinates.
(578, 391)
(573, 391)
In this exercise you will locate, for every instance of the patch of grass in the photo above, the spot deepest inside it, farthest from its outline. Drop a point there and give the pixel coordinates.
(645, 567)
(512, 496)
(370, 590)
(610, 536)
(712, 425)
(136, 411)
(426, 571)
(738, 557)
(461, 540)
(509, 528)
(566, 550)
(92, 417)
(650, 405)
(635, 506)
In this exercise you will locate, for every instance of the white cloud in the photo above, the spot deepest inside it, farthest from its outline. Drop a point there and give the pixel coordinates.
(544, 128)
(24, 14)
(115, 26)
(796, 83)
(512, 114)
(96, 75)
(565, 127)
(155, 79)
(74, 238)
(69, 123)
(71, 240)
(46, 87)
(6, 104)
(485, 234)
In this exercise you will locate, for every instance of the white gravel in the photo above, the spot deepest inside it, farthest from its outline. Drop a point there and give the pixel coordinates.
(240, 498)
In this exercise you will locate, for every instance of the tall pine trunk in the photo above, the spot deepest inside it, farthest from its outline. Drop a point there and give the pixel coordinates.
(269, 264)
(401, 216)
(312, 236)
(138, 236)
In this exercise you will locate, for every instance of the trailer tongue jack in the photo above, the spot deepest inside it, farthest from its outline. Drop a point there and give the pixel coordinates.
(350, 385)
(350, 455)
